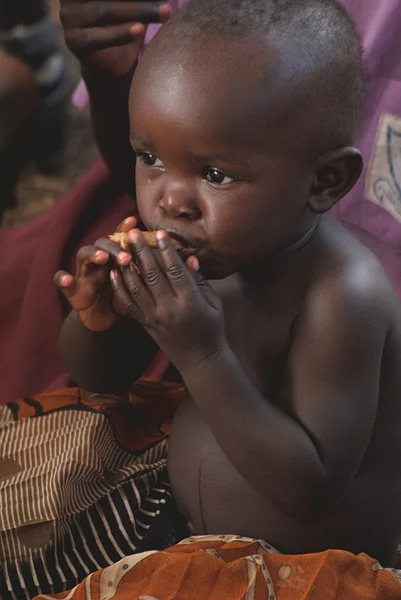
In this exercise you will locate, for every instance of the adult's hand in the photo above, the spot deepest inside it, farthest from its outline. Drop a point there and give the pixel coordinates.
(107, 35)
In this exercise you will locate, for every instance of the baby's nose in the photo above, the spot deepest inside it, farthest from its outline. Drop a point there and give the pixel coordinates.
(178, 202)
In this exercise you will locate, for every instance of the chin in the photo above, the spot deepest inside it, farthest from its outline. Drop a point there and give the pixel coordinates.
(214, 270)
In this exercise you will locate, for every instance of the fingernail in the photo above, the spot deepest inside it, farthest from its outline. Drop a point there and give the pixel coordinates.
(123, 256)
(161, 242)
(195, 263)
(65, 280)
(137, 29)
(133, 235)
(165, 11)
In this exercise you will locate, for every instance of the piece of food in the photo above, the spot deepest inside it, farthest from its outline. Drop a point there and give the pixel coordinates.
(123, 240)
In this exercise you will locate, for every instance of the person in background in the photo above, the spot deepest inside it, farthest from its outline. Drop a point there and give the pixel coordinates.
(32, 313)
(18, 111)
(28, 33)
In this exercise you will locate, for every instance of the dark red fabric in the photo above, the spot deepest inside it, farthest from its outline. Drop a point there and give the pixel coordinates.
(31, 308)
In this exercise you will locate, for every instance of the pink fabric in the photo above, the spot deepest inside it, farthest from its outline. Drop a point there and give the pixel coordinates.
(81, 99)
(31, 308)
(379, 22)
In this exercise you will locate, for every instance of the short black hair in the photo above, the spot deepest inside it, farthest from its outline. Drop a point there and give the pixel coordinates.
(322, 29)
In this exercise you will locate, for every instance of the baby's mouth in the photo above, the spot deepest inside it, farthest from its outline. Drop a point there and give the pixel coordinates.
(188, 247)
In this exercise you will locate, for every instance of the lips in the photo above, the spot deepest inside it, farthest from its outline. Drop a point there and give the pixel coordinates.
(186, 243)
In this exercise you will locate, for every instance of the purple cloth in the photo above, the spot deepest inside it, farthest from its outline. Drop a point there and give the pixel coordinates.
(372, 210)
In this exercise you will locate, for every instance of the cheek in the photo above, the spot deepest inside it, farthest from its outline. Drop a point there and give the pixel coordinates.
(146, 194)
(237, 223)
(258, 220)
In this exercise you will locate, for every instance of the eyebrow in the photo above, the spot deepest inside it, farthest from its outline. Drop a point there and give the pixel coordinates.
(135, 140)
(208, 158)
(204, 158)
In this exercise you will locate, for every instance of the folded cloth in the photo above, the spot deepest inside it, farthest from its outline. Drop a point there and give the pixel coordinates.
(235, 568)
(38, 46)
(83, 483)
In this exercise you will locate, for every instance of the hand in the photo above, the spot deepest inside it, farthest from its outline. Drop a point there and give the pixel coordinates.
(89, 291)
(172, 301)
(108, 34)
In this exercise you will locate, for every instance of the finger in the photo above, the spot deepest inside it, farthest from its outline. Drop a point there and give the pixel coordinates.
(121, 257)
(122, 297)
(63, 279)
(88, 257)
(91, 14)
(128, 224)
(207, 292)
(87, 41)
(151, 271)
(176, 272)
(66, 283)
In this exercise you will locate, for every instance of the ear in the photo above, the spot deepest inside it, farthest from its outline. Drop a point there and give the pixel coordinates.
(334, 175)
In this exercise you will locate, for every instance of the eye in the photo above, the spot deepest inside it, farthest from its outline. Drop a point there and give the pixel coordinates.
(148, 159)
(216, 176)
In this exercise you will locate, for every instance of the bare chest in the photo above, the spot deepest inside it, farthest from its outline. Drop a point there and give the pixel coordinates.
(259, 331)
(212, 495)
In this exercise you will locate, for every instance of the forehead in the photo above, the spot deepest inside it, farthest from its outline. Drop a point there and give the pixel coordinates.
(231, 88)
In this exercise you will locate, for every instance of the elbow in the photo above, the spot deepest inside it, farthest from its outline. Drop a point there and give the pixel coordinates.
(83, 355)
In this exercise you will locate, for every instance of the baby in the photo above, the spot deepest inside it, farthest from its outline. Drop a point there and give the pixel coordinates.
(283, 328)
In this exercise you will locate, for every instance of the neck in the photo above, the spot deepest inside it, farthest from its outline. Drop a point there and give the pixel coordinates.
(278, 260)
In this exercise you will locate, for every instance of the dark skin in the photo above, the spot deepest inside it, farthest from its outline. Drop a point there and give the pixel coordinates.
(18, 112)
(289, 431)
(106, 36)
(20, 12)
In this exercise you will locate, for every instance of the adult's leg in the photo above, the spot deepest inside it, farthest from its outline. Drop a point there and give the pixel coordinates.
(18, 105)
(21, 12)
(28, 32)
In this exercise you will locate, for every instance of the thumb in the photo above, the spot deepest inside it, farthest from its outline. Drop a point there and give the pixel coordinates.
(66, 283)
(128, 224)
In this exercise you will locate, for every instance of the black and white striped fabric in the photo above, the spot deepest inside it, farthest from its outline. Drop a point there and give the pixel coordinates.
(73, 499)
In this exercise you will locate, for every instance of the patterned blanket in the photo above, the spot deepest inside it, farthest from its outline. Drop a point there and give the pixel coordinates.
(83, 483)
(85, 506)
(235, 568)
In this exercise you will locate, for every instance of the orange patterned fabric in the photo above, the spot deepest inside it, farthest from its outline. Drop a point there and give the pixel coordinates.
(83, 483)
(139, 418)
(235, 568)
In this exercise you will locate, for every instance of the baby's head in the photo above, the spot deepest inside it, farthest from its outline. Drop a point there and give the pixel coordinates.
(243, 114)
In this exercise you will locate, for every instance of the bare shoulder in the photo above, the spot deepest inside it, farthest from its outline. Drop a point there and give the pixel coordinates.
(350, 284)
(348, 329)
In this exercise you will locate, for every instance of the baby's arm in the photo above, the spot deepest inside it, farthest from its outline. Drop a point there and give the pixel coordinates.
(106, 361)
(303, 457)
(103, 350)
(106, 37)
(299, 451)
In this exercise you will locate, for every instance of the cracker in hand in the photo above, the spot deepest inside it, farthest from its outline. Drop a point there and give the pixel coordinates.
(123, 240)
